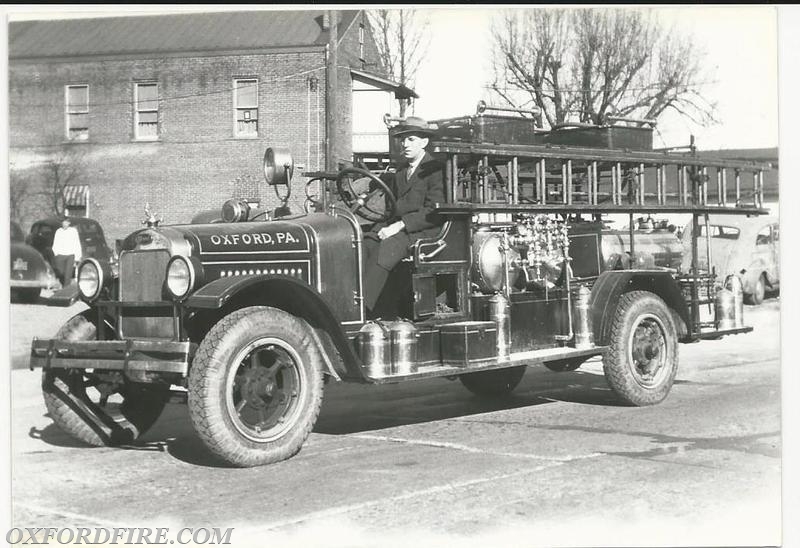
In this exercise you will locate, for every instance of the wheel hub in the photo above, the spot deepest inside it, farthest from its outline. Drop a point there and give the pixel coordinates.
(257, 387)
(646, 349)
(264, 389)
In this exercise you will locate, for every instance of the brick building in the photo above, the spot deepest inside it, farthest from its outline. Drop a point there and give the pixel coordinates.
(177, 110)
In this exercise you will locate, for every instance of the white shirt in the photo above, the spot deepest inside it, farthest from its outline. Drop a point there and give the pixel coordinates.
(412, 166)
(67, 241)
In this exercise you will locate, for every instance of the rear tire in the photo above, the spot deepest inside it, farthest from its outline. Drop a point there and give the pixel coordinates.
(255, 387)
(75, 403)
(642, 361)
(495, 383)
(760, 289)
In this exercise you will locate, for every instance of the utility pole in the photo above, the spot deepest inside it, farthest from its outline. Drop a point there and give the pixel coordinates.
(402, 61)
(331, 91)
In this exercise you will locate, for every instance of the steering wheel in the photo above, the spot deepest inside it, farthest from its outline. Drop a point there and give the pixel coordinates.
(359, 203)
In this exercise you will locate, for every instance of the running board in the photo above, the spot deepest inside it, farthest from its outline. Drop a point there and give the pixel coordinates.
(532, 357)
(718, 334)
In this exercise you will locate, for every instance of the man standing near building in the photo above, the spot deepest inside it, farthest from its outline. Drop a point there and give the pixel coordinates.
(66, 251)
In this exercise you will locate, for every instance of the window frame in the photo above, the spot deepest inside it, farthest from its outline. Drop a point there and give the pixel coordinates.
(236, 108)
(137, 111)
(69, 111)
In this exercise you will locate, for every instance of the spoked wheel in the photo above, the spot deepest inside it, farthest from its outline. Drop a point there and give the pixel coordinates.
(99, 407)
(263, 389)
(363, 203)
(642, 361)
(255, 388)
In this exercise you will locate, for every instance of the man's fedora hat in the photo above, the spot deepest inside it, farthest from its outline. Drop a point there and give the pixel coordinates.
(414, 124)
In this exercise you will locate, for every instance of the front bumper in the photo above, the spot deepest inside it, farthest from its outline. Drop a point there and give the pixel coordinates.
(44, 284)
(137, 359)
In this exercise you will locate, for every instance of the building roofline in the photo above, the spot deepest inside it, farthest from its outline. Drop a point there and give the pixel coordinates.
(400, 90)
(148, 54)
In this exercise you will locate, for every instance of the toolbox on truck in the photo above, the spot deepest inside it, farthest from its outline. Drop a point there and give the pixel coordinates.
(488, 128)
(466, 343)
(619, 137)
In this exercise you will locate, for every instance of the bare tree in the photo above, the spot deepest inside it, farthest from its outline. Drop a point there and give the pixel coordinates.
(402, 37)
(19, 193)
(64, 166)
(582, 65)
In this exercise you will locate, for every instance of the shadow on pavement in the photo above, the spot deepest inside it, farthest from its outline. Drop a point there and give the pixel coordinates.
(349, 409)
(354, 408)
(53, 435)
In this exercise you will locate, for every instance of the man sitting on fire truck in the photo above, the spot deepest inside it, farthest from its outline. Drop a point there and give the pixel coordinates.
(418, 186)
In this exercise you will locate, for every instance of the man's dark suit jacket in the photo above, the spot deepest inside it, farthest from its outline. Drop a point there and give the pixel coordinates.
(416, 197)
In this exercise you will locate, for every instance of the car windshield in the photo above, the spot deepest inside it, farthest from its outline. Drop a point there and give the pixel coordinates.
(43, 230)
(89, 229)
(720, 231)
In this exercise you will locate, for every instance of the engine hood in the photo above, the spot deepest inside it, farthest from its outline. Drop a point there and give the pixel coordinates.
(312, 248)
(218, 239)
(258, 238)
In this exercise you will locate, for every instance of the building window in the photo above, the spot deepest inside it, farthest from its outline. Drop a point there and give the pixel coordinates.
(77, 112)
(245, 106)
(145, 100)
(361, 42)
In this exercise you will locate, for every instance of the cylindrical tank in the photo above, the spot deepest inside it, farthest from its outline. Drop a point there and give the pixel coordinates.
(500, 313)
(404, 347)
(652, 248)
(489, 261)
(582, 328)
(725, 309)
(374, 349)
(734, 284)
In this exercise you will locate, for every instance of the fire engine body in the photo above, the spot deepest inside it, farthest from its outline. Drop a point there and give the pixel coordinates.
(248, 316)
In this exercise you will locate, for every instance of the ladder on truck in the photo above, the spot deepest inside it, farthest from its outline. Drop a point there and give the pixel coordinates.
(497, 179)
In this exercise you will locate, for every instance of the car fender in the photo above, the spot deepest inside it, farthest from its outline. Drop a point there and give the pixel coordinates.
(293, 296)
(612, 284)
(751, 274)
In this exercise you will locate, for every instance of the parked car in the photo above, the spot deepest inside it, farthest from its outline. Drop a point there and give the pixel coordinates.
(746, 246)
(30, 272)
(93, 241)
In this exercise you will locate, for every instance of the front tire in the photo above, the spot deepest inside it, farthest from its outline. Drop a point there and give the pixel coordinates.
(100, 408)
(255, 387)
(642, 360)
(493, 384)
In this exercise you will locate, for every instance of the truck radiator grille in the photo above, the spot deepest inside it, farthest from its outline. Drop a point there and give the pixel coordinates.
(142, 275)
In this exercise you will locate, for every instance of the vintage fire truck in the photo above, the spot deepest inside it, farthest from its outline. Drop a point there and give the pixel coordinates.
(250, 315)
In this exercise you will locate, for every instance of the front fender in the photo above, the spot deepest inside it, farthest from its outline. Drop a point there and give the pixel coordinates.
(612, 284)
(292, 295)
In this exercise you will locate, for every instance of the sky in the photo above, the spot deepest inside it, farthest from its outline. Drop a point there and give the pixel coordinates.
(742, 53)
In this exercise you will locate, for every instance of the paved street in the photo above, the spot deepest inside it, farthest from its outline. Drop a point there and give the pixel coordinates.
(426, 463)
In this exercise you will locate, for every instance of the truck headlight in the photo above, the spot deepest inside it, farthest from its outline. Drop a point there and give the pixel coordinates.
(90, 279)
(181, 276)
